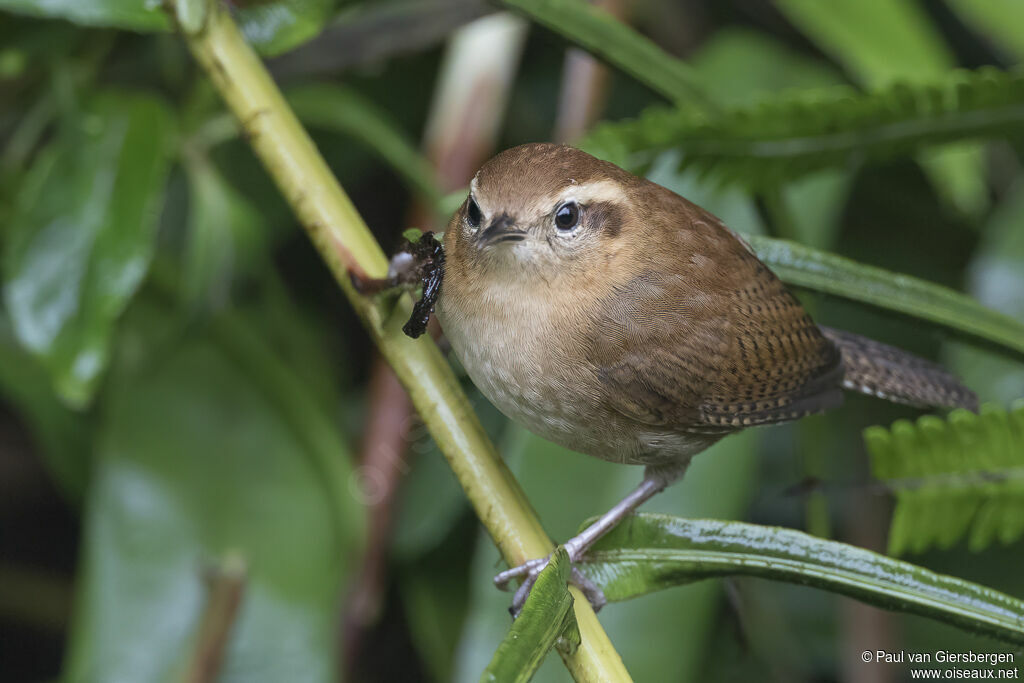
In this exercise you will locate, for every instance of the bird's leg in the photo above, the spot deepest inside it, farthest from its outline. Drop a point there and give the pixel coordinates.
(655, 480)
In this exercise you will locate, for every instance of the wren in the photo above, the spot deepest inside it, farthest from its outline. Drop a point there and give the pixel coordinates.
(608, 314)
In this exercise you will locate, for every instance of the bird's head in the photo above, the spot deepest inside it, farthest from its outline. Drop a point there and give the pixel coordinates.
(541, 210)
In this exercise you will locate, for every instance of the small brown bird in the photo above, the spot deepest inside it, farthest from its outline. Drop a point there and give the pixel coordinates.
(612, 316)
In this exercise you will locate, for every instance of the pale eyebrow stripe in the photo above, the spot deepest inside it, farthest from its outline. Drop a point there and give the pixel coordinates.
(599, 190)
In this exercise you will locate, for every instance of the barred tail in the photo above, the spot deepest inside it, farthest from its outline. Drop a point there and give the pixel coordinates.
(880, 370)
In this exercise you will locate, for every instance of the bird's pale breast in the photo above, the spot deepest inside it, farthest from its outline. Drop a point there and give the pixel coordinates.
(509, 346)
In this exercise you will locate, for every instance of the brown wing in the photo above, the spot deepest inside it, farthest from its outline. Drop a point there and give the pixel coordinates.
(715, 345)
(780, 365)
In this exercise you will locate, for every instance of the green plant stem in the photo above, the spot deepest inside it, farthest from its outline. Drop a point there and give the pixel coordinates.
(346, 245)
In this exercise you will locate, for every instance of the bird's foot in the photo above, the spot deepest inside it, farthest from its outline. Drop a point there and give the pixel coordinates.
(530, 570)
(655, 480)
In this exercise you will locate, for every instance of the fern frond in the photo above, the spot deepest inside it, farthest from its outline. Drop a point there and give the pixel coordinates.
(791, 135)
(963, 476)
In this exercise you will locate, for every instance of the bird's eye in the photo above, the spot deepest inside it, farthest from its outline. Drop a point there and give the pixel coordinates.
(567, 216)
(473, 214)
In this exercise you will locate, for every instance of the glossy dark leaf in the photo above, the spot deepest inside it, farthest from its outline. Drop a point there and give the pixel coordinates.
(136, 15)
(276, 27)
(82, 235)
(272, 27)
(61, 434)
(649, 552)
(209, 446)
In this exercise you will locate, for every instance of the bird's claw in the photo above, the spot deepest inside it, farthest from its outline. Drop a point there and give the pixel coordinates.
(530, 570)
(526, 569)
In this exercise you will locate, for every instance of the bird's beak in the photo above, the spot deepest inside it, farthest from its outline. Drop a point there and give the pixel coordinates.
(501, 229)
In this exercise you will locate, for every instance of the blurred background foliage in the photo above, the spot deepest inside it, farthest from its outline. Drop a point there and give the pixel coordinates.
(183, 384)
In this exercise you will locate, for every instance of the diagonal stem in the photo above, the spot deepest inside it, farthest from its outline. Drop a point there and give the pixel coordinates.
(346, 245)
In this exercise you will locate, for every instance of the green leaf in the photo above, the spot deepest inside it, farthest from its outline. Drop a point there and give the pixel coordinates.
(998, 20)
(829, 273)
(341, 109)
(272, 27)
(605, 37)
(434, 593)
(412, 235)
(546, 615)
(963, 476)
(996, 278)
(879, 41)
(226, 235)
(278, 26)
(958, 172)
(208, 445)
(432, 502)
(789, 136)
(649, 552)
(742, 66)
(815, 204)
(730, 203)
(191, 14)
(62, 435)
(135, 15)
(882, 42)
(82, 236)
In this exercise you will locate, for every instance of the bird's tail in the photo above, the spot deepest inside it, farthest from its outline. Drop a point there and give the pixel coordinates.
(880, 370)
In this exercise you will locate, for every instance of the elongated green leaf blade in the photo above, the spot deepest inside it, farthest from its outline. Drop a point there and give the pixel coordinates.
(603, 36)
(82, 236)
(963, 476)
(829, 273)
(545, 616)
(649, 552)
